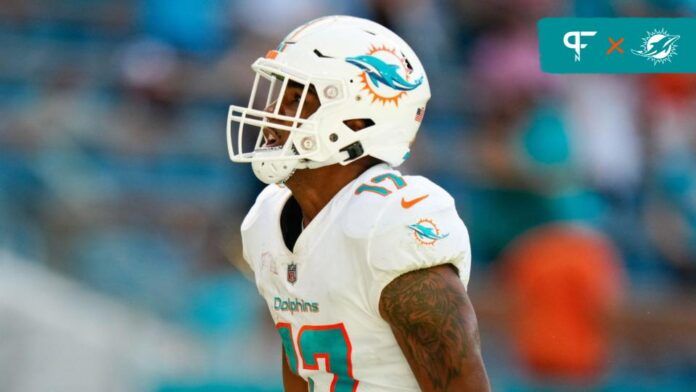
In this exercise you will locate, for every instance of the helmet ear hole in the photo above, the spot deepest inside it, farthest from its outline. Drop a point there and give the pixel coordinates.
(358, 124)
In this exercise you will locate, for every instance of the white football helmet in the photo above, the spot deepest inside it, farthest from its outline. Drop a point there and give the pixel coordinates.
(360, 70)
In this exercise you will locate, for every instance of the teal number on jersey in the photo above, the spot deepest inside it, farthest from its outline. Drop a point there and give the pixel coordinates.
(372, 188)
(398, 182)
(285, 332)
(329, 342)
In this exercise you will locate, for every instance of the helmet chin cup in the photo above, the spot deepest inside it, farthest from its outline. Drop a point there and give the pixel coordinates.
(273, 171)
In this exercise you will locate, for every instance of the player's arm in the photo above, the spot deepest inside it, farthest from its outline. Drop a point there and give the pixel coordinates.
(434, 323)
(291, 381)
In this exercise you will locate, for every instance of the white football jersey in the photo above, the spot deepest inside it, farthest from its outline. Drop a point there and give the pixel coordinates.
(324, 294)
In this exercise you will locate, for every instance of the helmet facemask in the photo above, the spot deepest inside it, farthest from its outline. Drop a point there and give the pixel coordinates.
(250, 128)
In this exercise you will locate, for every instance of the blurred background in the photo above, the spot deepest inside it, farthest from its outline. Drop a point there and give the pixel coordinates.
(119, 209)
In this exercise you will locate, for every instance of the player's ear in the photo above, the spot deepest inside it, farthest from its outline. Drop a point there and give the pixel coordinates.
(357, 124)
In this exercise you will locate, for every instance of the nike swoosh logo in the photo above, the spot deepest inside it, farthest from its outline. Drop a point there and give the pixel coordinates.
(410, 203)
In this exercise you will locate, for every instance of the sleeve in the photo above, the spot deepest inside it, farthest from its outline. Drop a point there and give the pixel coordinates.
(408, 240)
(247, 233)
(252, 228)
(245, 256)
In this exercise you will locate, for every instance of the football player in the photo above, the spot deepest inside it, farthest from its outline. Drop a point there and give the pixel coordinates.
(364, 270)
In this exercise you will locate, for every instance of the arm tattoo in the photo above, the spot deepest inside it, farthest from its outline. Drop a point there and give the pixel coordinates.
(435, 326)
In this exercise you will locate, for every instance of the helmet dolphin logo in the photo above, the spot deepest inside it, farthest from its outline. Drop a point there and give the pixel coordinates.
(658, 49)
(379, 71)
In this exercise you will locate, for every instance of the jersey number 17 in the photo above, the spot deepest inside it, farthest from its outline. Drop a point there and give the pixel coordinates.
(329, 342)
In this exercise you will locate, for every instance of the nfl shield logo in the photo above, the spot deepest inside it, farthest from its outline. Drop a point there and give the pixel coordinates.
(292, 273)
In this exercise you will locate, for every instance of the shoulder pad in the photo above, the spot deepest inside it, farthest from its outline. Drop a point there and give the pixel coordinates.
(270, 195)
(371, 212)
